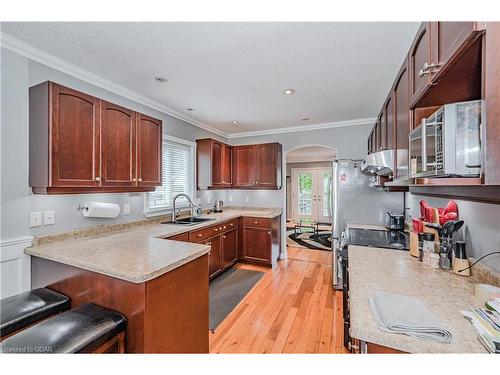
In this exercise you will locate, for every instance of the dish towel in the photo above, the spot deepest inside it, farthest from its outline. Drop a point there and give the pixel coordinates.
(406, 315)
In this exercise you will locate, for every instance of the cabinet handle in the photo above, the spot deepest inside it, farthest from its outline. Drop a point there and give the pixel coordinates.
(256, 222)
(224, 227)
(199, 234)
(269, 232)
(427, 68)
(209, 243)
(98, 178)
(224, 237)
(216, 229)
(231, 224)
(134, 179)
(140, 179)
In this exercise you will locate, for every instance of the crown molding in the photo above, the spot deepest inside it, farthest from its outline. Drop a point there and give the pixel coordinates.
(303, 128)
(35, 54)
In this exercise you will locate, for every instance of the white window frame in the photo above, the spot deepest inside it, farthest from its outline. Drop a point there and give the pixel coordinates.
(150, 212)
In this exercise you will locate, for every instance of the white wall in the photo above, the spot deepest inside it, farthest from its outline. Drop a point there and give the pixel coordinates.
(481, 230)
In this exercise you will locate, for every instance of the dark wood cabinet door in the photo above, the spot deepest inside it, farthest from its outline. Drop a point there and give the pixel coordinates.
(75, 138)
(267, 165)
(418, 57)
(447, 37)
(376, 137)
(149, 142)
(402, 120)
(257, 244)
(244, 166)
(217, 156)
(389, 124)
(221, 164)
(229, 248)
(227, 165)
(214, 256)
(118, 145)
(382, 124)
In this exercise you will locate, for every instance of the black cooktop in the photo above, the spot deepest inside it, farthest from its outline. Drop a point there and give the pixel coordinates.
(377, 238)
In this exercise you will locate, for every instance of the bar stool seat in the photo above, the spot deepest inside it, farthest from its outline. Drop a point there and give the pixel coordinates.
(81, 330)
(21, 310)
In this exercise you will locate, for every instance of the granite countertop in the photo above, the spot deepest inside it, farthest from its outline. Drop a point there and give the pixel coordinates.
(446, 294)
(140, 253)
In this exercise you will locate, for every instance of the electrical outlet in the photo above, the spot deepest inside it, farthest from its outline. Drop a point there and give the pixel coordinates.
(209, 200)
(35, 219)
(247, 198)
(230, 198)
(198, 201)
(49, 217)
(126, 208)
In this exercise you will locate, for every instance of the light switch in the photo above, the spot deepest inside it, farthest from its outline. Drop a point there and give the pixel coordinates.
(49, 217)
(247, 198)
(126, 208)
(35, 219)
(230, 198)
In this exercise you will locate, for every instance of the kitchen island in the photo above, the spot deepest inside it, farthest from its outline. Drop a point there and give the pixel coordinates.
(444, 293)
(160, 285)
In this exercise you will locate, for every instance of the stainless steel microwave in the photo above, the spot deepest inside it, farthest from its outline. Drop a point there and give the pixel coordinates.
(448, 143)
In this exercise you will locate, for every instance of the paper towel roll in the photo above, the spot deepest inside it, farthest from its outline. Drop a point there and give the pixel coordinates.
(98, 209)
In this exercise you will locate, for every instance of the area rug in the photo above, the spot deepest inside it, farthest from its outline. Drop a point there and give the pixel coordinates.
(227, 291)
(320, 241)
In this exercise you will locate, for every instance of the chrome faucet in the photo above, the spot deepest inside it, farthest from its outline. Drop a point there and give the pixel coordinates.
(191, 205)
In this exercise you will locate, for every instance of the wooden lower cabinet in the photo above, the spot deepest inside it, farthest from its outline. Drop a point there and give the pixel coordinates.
(214, 256)
(229, 254)
(260, 240)
(362, 347)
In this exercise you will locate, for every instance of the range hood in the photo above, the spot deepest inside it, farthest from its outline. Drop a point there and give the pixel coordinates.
(380, 163)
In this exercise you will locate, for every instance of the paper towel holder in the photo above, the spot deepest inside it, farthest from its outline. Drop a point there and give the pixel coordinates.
(81, 207)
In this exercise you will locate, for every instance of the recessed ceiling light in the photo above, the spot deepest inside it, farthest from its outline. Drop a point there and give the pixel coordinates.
(161, 80)
(235, 122)
(305, 118)
(289, 91)
(190, 109)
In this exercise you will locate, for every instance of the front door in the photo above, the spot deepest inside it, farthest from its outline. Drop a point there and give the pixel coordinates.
(311, 194)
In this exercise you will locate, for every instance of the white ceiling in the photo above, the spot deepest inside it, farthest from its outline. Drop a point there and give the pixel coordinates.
(237, 71)
(310, 154)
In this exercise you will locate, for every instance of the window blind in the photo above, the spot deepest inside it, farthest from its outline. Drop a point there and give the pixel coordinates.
(177, 175)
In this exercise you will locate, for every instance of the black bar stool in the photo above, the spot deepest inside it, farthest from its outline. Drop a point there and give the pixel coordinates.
(86, 329)
(19, 311)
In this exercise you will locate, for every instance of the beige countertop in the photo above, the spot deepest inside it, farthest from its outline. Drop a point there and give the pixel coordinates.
(444, 293)
(140, 253)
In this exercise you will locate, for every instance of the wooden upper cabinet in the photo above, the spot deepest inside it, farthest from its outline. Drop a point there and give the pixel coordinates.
(268, 173)
(382, 130)
(244, 166)
(118, 140)
(214, 161)
(81, 144)
(402, 121)
(419, 59)
(446, 39)
(258, 166)
(390, 124)
(149, 136)
(222, 156)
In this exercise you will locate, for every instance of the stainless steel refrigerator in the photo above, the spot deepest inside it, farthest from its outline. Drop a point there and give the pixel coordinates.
(357, 201)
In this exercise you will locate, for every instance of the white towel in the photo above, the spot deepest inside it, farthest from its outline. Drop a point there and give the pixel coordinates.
(402, 314)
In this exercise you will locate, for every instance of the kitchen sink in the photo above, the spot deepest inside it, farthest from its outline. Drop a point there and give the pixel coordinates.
(189, 220)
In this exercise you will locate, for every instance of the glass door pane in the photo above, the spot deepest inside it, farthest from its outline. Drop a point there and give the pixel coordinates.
(324, 196)
(305, 195)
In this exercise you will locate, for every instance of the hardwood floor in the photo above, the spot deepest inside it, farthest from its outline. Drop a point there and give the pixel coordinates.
(292, 309)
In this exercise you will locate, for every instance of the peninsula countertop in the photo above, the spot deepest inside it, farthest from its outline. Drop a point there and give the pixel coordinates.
(444, 293)
(140, 253)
